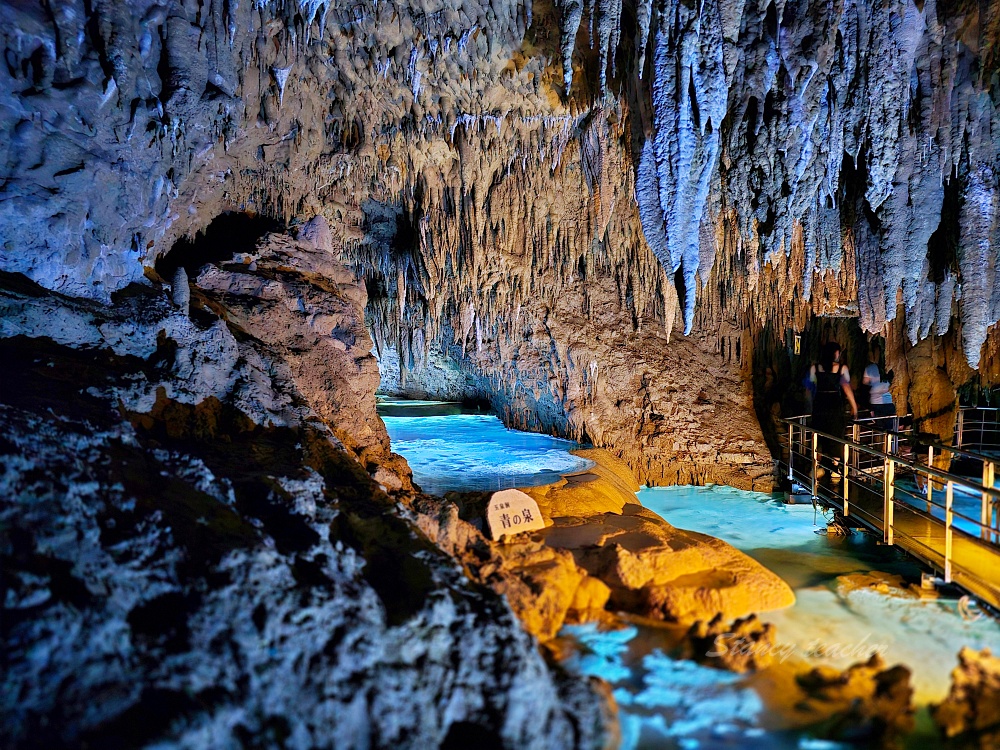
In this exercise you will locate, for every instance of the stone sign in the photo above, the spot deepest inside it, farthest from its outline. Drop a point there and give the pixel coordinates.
(511, 512)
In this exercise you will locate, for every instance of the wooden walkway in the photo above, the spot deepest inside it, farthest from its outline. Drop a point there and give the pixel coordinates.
(882, 495)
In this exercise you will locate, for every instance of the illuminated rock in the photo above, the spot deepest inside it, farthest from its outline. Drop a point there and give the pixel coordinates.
(973, 704)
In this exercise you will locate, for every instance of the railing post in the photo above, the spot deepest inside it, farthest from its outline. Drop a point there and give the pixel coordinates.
(815, 456)
(856, 437)
(844, 479)
(996, 521)
(961, 425)
(888, 491)
(791, 449)
(949, 498)
(930, 481)
(986, 512)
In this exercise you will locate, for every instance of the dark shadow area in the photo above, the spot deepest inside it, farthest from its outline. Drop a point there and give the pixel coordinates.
(942, 248)
(229, 233)
(779, 373)
(853, 185)
(463, 735)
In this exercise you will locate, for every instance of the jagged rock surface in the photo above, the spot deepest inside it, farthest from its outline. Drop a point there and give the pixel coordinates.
(973, 703)
(296, 298)
(741, 646)
(193, 558)
(866, 703)
(601, 550)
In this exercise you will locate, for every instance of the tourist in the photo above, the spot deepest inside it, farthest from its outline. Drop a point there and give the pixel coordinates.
(883, 410)
(833, 385)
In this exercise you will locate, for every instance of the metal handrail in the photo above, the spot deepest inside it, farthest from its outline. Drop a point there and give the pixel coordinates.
(980, 426)
(941, 475)
(932, 444)
(853, 474)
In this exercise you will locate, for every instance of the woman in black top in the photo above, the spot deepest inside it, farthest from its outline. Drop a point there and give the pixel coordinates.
(833, 386)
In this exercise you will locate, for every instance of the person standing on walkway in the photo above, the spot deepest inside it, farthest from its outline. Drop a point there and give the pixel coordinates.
(881, 399)
(833, 388)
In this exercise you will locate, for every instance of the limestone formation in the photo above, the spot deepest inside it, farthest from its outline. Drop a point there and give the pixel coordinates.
(294, 296)
(608, 219)
(741, 646)
(973, 704)
(649, 567)
(180, 291)
(192, 557)
(600, 552)
(866, 703)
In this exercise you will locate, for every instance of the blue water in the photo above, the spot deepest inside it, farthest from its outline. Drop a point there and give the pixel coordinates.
(665, 702)
(673, 703)
(670, 702)
(467, 452)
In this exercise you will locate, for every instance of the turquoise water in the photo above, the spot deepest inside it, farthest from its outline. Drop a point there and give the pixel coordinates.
(665, 702)
(926, 635)
(466, 452)
(668, 702)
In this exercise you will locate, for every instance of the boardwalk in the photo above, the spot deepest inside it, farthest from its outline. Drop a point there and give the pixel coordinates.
(887, 494)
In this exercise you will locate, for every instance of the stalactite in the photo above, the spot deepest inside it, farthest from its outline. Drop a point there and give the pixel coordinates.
(739, 202)
(572, 14)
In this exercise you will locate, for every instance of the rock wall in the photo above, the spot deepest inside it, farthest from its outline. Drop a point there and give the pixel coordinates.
(544, 293)
(193, 557)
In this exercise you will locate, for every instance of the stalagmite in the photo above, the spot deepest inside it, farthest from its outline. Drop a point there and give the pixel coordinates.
(180, 291)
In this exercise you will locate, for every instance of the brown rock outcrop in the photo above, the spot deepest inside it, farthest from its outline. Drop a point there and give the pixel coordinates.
(650, 567)
(743, 645)
(973, 703)
(542, 585)
(298, 299)
(864, 703)
(658, 571)
(601, 550)
(608, 486)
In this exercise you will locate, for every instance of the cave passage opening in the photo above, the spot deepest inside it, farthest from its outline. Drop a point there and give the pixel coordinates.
(782, 360)
(229, 233)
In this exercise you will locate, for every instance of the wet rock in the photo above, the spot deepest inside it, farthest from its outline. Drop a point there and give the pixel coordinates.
(973, 703)
(886, 584)
(180, 292)
(743, 645)
(615, 555)
(658, 571)
(591, 596)
(541, 586)
(607, 487)
(865, 703)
